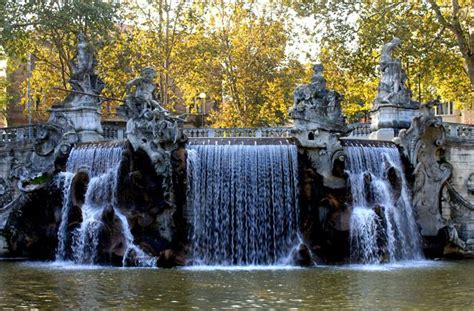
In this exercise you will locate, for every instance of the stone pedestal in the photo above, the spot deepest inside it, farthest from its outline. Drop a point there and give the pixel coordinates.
(85, 120)
(388, 120)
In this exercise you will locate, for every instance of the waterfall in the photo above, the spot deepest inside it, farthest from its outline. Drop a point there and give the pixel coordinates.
(64, 181)
(383, 226)
(244, 203)
(102, 163)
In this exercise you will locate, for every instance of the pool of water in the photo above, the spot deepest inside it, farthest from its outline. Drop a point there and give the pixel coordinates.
(421, 285)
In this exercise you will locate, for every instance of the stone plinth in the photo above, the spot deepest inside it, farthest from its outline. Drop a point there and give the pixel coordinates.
(85, 120)
(388, 120)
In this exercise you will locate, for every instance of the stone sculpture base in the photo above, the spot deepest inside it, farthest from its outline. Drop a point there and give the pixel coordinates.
(388, 120)
(85, 120)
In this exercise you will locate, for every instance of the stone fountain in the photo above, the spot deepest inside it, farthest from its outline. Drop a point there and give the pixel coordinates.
(139, 198)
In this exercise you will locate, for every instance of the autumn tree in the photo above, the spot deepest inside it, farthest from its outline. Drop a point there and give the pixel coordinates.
(247, 70)
(47, 30)
(457, 17)
(223, 49)
(235, 52)
(354, 33)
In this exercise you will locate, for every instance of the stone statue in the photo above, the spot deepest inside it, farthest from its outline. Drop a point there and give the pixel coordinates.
(318, 122)
(85, 83)
(314, 104)
(143, 97)
(151, 128)
(392, 89)
(387, 50)
(85, 59)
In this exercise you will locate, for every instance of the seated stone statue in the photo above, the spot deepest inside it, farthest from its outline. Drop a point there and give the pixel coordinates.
(315, 105)
(151, 128)
(143, 97)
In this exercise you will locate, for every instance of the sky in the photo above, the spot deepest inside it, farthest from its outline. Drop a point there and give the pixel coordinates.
(3, 68)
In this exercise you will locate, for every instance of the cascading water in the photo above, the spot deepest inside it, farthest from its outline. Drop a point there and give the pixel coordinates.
(64, 181)
(244, 202)
(383, 226)
(102, 163)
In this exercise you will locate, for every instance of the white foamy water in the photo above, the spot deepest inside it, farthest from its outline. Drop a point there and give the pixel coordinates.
(383, 227)
(102, 163)
(244, 204)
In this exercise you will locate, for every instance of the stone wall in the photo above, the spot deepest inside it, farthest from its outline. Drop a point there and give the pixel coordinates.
(458, 195)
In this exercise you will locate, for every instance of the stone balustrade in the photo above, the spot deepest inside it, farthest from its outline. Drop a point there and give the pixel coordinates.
(20, 134)
(359, 130)
(113, 130)
(269, 132)
(459, 131)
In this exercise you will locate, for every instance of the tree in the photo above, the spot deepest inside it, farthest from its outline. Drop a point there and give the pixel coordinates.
(222, 49)
(356, 30)
(169, 23)
(159, 37)
(233, 51)
(3, 89)
(248, 71)
(48, 30)
(459, 20)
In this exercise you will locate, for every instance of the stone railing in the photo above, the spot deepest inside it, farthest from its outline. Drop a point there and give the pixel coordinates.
(114, 130)
(20, 134)
(268, 132)
(459, 131)
(359, 130)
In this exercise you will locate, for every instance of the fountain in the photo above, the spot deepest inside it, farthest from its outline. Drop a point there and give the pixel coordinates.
(100, 208)
(382, 224)
(237, 196)
(244, 203)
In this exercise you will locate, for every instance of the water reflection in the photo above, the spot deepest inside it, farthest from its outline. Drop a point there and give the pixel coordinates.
(440, 286)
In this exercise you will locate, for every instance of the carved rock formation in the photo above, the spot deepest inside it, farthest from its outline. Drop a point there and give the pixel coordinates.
(52, 145)
(150, 128)
(423, 145)
(318, 123)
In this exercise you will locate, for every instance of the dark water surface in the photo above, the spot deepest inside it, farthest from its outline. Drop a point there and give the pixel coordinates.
(420, 285)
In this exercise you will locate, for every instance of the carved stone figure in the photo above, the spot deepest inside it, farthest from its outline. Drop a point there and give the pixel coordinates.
(81, 106)
(315, 105)
(143, 97)
(458, 215)
(318, 123)
(53, 142)
(151, 128)
(392, 89)
(423, 145)
(393, 109)
(86, 84)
